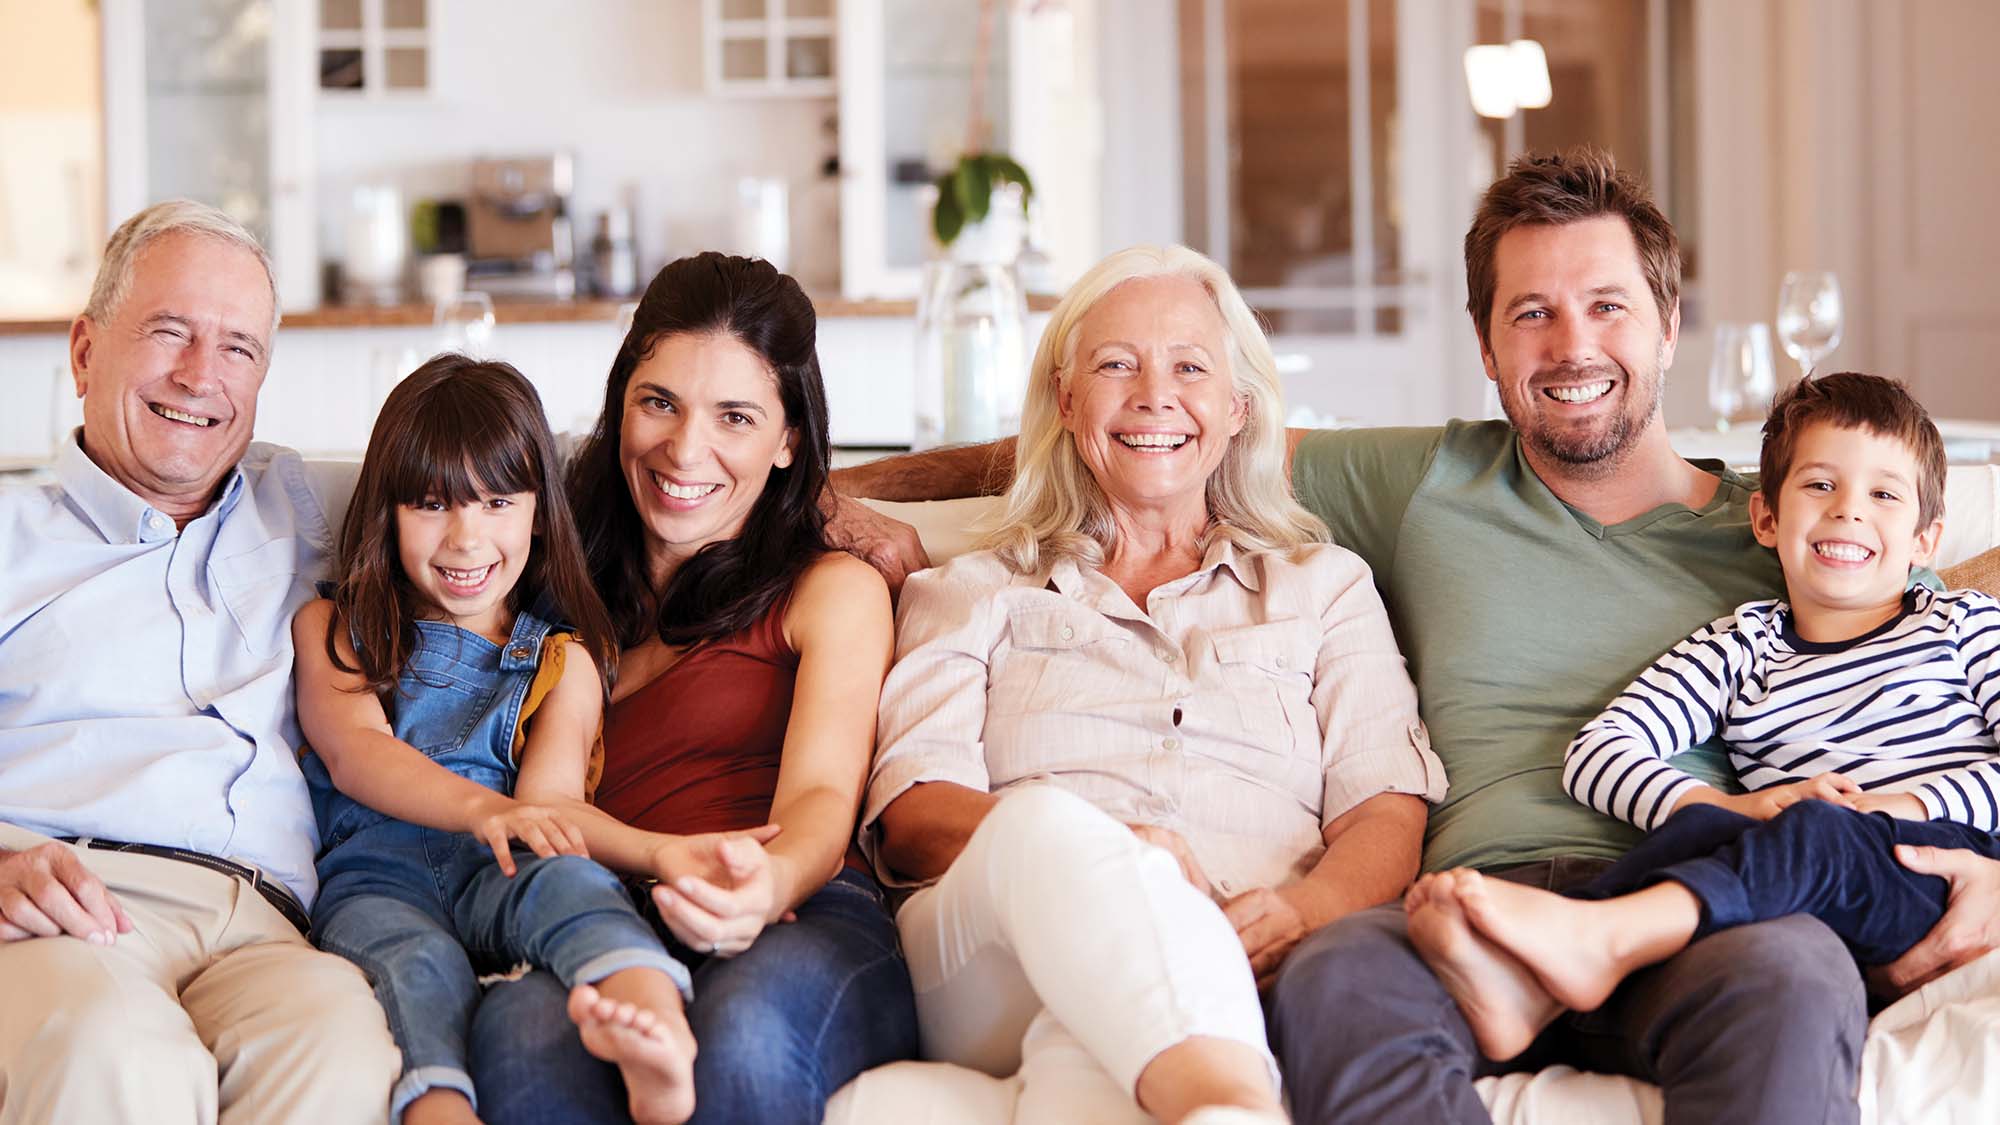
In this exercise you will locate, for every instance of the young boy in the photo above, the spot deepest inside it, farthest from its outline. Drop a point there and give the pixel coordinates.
(1859, 714)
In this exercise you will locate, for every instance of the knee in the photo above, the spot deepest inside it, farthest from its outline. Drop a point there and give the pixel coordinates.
(345, 1015)
(1033, 814)
(1789, 974)
(566, 874)
(1346, 968)
(1815, 818)
(753, 1062)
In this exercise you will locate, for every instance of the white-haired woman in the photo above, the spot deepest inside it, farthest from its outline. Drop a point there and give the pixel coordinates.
(1149, 738)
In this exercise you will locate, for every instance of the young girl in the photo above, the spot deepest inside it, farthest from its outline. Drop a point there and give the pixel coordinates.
(450, 719)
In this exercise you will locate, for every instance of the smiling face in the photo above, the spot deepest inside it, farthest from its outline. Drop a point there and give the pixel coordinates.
(1148, 396)
(703, 430)
(1846, 530)
(464, 559)
(1577, 348)
(169, 378)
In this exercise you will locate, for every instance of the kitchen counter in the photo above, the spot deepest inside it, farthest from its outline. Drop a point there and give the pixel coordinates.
(509, 311)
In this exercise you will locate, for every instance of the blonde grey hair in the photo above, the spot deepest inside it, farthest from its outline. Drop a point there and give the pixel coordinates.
(1056, 509)
(175, 216)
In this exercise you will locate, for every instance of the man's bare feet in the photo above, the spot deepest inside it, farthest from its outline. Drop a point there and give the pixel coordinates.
(1580, 950)
(439, 1106)
(1500, 997)
(654, 1051)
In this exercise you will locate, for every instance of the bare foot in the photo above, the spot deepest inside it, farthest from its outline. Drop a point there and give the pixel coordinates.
(1580, 950)
(439, 1106)
(654, 1051)
(1500, 997)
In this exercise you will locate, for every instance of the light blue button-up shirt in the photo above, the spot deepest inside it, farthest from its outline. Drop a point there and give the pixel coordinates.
(146, 674)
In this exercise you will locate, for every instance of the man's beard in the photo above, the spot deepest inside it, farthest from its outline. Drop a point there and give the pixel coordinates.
(1599, 452)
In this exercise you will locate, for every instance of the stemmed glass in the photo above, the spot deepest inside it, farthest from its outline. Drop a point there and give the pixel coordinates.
(465, 323)
(1741, 375)
(1809, 317)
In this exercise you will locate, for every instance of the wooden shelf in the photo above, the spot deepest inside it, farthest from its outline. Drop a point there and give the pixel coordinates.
(583, 310)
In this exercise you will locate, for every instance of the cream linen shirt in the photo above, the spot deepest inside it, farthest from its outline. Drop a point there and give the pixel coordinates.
(1248, 705)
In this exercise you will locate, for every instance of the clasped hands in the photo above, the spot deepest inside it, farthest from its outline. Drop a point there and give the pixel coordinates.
(1268, 920)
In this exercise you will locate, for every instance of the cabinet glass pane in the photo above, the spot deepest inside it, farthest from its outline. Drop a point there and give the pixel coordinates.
(926, 96)
(403, 14)
(743, 59)
(809, 57)
(743, 9)
(809, 9)
(208, 105)
(407, 67)
(340, 15)
(340, 70)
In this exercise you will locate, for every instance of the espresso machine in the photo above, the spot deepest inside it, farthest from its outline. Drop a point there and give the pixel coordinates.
(517, 228)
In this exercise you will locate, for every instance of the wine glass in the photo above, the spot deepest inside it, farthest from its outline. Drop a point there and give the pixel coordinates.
(465, 323)
(1741, 374)
(1809, 317)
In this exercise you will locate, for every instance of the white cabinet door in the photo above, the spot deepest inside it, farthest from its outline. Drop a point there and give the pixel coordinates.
(212, 100)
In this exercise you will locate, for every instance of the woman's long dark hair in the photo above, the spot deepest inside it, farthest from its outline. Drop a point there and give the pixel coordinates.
(452, 429)
(731, 583)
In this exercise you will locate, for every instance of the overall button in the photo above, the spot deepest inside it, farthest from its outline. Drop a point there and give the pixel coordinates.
(519, 652)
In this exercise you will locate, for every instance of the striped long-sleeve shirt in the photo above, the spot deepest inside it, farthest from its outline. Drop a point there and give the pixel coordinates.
(1910, 707)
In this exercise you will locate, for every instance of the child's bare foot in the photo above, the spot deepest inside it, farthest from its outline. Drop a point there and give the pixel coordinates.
(653, 1047)
(1580, 950)
(439, 1106)
(1499, 996)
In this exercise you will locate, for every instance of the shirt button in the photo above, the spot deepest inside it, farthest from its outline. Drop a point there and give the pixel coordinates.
(1171, 657)
(1281, 662)
(1068, 632)
(1171, 744)
(518, 652)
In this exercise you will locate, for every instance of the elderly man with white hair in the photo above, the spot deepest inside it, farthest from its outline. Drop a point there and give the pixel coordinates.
(156, 840)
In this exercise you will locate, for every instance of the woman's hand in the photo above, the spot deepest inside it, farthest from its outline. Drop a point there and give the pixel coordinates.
(544, 830)
(1269, 923)
(1176, 846)
(716, 890)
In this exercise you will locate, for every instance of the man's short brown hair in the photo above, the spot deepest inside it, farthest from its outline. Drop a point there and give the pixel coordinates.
(1852, 401)
(1560, 188)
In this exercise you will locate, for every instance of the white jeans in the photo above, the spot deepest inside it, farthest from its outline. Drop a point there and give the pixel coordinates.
(1057, 915)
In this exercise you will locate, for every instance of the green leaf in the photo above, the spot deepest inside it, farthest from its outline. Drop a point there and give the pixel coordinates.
(975, 188)
(1005, 169)
(947, 218)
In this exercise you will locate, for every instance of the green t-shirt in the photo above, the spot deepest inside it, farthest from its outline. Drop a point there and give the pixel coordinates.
(1522, 617)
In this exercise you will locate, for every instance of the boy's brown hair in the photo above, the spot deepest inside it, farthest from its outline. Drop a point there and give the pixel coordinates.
(1853, 401)
(1554, 189)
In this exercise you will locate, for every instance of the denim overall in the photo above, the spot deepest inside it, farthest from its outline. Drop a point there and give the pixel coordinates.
(425, 912)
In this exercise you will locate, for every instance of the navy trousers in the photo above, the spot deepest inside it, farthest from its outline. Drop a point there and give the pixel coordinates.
(1815, 858)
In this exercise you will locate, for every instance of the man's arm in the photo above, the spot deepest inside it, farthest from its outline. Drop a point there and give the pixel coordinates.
(934, 474)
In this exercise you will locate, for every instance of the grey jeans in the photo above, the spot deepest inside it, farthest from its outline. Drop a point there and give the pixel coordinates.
(1762, 1023)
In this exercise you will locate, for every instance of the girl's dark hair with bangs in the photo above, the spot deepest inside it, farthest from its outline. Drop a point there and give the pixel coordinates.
(451, 430)
(726, 585)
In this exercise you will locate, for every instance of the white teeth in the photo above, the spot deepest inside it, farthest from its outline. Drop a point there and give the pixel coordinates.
(1153, 441)
(1844, 552)
(1587, 393)
(171, 414)
(466, 577)
(683, 491)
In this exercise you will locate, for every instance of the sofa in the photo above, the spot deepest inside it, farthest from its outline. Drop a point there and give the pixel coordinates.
(1932, 1057)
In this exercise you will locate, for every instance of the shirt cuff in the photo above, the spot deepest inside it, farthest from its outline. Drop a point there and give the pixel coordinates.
(1410, 768)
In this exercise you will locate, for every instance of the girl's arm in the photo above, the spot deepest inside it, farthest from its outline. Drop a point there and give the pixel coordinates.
(345, 725)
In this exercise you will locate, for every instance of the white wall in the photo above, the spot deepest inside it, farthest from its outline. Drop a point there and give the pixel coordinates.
(618, 83)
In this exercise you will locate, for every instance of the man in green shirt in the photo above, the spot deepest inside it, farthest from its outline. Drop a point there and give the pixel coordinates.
(1532, 568)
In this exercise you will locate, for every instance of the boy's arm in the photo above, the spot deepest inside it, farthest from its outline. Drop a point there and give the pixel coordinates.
(1618, 762)
(1971, 794)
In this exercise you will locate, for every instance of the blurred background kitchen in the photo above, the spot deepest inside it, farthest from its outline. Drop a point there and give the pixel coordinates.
(504, 175)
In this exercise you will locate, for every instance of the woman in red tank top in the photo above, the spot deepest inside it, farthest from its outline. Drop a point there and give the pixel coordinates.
(742, 720)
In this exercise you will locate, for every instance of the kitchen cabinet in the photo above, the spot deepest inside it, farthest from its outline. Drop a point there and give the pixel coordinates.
(905, 78)
(782, 47)
(212, 100)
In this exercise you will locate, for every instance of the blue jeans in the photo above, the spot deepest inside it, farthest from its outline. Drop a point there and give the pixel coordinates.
(1814, 858)
(779, 1027)
(423, 913)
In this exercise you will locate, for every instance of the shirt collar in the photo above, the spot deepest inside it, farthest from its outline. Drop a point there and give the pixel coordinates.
(1070, 579)
(117, 512)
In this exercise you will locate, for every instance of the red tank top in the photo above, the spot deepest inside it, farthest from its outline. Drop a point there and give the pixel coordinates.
(697, 749)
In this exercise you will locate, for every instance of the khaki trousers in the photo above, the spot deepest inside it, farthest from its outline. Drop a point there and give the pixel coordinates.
(214, 1008)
